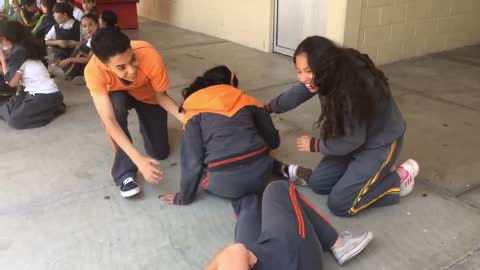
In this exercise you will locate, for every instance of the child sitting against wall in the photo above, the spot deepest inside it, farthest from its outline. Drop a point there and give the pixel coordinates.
(41, 101)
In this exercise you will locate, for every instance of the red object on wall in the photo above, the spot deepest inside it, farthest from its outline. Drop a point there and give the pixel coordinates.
(126, 11)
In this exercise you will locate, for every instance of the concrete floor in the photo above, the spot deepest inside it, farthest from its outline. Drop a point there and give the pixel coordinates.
(60, 209)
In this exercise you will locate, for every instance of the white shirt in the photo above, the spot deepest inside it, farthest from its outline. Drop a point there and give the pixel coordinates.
(2, 5)
(52, 35)
(36, 79)
(89, 43)
(77, 13)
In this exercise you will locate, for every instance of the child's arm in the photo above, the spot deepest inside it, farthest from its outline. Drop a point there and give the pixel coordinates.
(192, 160)
(56, 42)
(266, 128)
(77, 60)
(289, 100)
(16, 79)
(337, 146)
(166, 102)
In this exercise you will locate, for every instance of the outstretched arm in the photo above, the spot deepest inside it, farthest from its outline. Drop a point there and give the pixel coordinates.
(289, 100)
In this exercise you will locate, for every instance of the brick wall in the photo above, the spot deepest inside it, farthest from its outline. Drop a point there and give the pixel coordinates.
(391, 30)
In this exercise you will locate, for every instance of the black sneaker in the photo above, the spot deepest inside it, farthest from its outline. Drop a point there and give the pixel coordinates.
(129, 187)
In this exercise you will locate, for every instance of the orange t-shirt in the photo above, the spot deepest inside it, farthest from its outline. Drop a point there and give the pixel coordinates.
(152, 75)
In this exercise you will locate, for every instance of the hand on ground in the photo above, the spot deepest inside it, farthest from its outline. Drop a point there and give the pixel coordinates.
(168, 198)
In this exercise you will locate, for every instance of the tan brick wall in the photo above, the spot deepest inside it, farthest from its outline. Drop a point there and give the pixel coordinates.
(391, 30)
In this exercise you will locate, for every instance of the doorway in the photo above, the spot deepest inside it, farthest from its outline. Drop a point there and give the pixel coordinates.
(294, 20)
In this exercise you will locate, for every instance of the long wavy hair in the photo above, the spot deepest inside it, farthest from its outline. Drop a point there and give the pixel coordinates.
(349, 84)
(18, 34)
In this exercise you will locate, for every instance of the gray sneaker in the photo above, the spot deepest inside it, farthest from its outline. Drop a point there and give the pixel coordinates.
(351, 246)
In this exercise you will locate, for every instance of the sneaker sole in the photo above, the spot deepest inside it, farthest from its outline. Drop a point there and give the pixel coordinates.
(357, 249)
(130, 193)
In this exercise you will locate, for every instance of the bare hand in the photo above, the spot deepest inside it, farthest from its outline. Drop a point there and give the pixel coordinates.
(303, 143)
(150, 169)
(168, 198)
(73, 43)
(63, 43)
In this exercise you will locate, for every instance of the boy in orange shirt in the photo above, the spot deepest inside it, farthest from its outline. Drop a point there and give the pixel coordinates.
(122, 75)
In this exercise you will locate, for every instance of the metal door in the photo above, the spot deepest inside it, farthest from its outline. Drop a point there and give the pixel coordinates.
(295, 20)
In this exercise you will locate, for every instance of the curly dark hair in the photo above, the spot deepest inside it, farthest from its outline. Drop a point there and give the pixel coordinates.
(214, 76)
(18, 34)
(349, 84)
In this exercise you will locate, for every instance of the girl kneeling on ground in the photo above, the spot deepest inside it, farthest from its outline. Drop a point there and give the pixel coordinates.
(361, 127)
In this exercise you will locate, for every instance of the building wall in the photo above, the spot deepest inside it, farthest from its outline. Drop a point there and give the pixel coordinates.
(248, 22)
(391, 30)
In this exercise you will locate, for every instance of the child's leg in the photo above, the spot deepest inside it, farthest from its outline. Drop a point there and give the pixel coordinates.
(123, 166)
(248, 212)
(367, 181)
(74, 70)
(240, 179)
(28, 111)
(153, 127)
(328, 172)
(287, 219)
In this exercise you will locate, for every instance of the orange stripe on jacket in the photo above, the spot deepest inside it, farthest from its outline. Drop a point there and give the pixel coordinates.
(221, 99)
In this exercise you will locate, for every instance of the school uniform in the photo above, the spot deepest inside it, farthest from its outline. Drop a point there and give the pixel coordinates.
(140, 94)
(225, 144)
(356, 171)
(77, 13)
(43, 25)
(15, 59)
(40, 103)
(76, 69)
(25, 17)
(283, 229)
(69, 30)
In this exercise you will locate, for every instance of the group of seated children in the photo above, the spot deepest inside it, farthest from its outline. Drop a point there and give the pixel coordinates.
(40, 40)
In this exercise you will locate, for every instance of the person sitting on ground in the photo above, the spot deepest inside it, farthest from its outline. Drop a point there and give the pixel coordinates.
(40, 101)
(108, 19)
(28, 14)
(283, 231)
(46, 21)
(90, 7)
(124, 75)
(65, 35)
(74, 66)
(226, 134)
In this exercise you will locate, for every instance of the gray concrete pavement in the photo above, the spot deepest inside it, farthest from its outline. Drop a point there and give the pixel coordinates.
(60, 209)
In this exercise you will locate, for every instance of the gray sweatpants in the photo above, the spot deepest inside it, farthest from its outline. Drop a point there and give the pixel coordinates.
(31, 111)
(359, 180)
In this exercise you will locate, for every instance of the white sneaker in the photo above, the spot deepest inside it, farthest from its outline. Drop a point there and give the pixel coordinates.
(298, 175)
(407, 184)
(351, 246)
(129, 188)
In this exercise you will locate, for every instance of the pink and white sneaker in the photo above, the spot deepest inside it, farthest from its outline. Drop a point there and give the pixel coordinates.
(407, 183)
